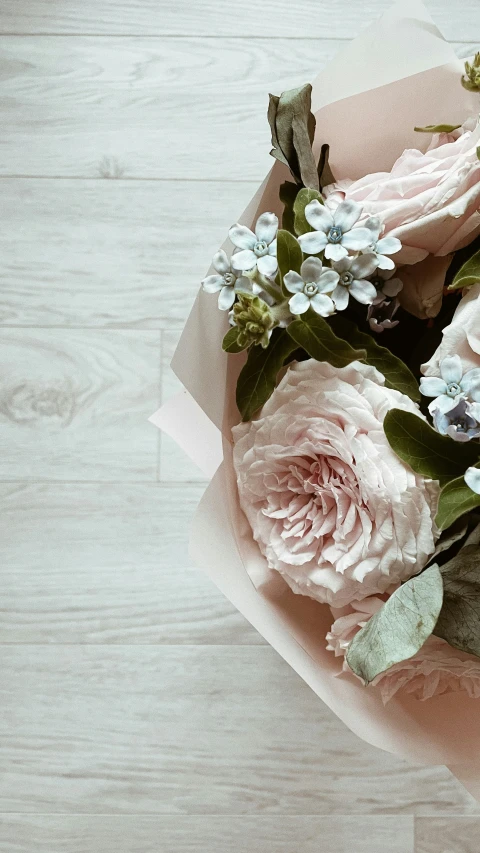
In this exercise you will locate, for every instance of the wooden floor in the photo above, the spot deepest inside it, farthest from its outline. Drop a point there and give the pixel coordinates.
(139, 712)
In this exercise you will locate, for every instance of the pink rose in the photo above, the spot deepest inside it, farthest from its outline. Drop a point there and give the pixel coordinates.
(461, 337)
(429, 200)
(437, 668)
(331, 506)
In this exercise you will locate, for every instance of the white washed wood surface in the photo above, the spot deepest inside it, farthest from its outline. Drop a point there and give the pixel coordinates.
(214, 19)
(190, 730)
(140, 711)
(192, 834)
(447, 835)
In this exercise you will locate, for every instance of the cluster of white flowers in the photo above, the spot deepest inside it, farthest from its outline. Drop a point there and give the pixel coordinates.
(355, 263)
(455, 408)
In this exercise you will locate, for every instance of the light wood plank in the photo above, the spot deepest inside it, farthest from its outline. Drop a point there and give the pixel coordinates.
(148, 107)
(100, 563)
(213, 18)
(447, 835)
(92, 253)
(175, 465)
(134, 834)
(190, 730)
(74, 404)
(143, 107)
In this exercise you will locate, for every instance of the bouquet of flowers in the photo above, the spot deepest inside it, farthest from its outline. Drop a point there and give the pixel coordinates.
(335, 345)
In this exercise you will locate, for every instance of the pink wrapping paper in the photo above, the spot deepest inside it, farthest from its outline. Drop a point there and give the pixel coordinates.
(398, 74)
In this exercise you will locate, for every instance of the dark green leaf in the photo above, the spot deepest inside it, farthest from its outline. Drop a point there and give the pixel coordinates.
(397, 374)
(303, 198)
(456, 498)
(288, 194)
(257, 379)
(438, 128)
(325, 174)
(293, 128)
(400, 629)
(459, 620)
(469, 274)
(425, 450)
(230, 343)
(289, 255)
(315, 336)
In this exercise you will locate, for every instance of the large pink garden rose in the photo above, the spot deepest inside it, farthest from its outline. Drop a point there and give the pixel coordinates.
(331, 506)
(461, 337)
(437, 668)
(428, 200)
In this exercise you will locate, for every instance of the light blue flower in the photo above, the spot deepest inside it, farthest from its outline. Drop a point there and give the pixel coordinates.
(472, 479)
(461, 422)
(451, 386)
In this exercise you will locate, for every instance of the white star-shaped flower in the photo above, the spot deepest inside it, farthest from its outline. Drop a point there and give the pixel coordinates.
(311, 288)
(451, 385)
(353, 275)
(382, 247)
(387, 286)
(257, 250)
(335, 233)
(227, 282)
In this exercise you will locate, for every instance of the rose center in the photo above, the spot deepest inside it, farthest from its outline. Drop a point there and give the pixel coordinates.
(453, 389)
(260, 248)
(335, 234)
(311, 289)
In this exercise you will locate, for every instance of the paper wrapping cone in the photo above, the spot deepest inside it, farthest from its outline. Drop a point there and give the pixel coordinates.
(396, 75)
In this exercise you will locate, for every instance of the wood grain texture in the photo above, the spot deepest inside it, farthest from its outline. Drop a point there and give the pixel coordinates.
(143, 107)
(74, 404)
(99, 563)
(215, 19)
(190, 730)
(149, 834)
(447, 835)
(109, 253)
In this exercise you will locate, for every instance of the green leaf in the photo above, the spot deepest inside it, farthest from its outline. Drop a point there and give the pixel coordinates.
(400, 629)
(257, 379)
(325, 174)
(438, 128)
(459, 620)
(288, 194)
(397, 374)
(456, 498)
(478, 153)
(303, 198)
(425, 450)
(469, 274)
(230, 343)
(293, 128)
(315, 336)
(289, 256)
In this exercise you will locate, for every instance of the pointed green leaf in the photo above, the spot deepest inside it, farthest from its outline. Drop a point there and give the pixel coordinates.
(303, 198)
(400, 629)
(438, 128)
(230, 343)
(257, 379)
(456, 498)
(397, 374)
(325, 174)
(315, 336)
(425, 450)
(293, 128)
(469, 274)
(459, 620)
(289, 256)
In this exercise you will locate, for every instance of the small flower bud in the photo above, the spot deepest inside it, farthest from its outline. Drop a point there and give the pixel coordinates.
(471, 80)
(254, 320)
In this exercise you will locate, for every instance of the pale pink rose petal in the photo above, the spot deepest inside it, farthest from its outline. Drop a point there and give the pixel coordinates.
(331, 506)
